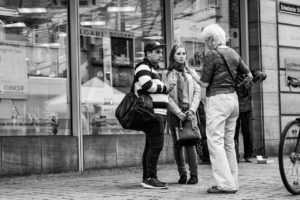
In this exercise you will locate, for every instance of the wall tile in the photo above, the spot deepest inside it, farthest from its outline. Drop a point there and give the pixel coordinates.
(271, 82)
(129, 149)
(269, 58)
(268, 34)
(290, 103)
(288, 35)
(268, 13)
(99, 151)
(271, 126)
(271, 147)
(271, 104)
(21, 155)
(59, 154)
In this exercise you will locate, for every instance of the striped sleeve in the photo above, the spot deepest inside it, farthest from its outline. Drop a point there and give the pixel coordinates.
(145, 78)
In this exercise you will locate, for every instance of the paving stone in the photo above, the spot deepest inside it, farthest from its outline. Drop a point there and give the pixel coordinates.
(257, 181)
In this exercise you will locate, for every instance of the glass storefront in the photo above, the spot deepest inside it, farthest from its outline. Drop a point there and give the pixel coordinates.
(49, 73)
(34, 75)
(190, 17)
(34, 68)
(112, 38)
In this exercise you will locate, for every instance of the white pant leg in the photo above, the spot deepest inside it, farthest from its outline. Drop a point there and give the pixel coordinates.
(229, 142)
(219, 109)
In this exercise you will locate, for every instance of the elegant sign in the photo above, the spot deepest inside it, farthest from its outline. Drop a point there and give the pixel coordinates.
(100, 33)
(13, 73)
(289, 8)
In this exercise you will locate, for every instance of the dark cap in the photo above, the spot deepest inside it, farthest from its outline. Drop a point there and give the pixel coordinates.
(153, 45)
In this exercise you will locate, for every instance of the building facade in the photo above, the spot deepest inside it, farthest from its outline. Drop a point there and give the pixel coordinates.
(66, 65)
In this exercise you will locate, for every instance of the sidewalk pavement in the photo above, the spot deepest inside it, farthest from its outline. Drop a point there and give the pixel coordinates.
(257, 181)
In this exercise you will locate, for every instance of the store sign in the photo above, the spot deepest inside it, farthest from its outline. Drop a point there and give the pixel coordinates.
(13, 71)
(120, 34)
(92, 32)
(289, 8)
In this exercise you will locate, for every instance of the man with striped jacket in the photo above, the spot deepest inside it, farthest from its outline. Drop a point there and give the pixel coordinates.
(148, 81)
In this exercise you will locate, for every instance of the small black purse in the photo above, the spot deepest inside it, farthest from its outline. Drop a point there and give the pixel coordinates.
(186, 134)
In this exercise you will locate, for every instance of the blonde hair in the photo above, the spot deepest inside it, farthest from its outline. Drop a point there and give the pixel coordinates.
(216, 32)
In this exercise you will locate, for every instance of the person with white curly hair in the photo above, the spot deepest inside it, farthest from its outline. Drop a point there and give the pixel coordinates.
(221, 65)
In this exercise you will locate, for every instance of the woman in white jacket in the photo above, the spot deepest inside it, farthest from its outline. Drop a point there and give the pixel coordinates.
(183, 103)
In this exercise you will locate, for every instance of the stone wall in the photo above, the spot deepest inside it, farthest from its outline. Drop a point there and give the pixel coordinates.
(54, 154)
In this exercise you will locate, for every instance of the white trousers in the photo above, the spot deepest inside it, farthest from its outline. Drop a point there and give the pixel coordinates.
(221, 114)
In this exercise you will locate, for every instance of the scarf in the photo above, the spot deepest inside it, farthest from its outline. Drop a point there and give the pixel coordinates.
(181, 79)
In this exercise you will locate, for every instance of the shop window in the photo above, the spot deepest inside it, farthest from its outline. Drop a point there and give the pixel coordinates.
(112, 37)
(34, 69)
(190, 17)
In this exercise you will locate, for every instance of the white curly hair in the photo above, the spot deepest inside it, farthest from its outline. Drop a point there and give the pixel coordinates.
(216, 32)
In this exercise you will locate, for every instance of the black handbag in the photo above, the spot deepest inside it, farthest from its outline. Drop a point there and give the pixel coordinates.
(186, 134)
(135, 113)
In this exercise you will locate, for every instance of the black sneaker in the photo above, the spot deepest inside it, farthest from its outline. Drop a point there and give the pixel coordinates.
(154, 183)
(143, 182)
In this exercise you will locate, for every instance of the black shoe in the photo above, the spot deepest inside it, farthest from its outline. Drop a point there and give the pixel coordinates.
(193, 180)
(217, 190)
(248, 160)
(183, 179)
(153, 183)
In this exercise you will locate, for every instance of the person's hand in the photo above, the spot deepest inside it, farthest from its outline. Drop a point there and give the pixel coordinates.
(248, 83)
(170, 86)
(259, 77)
(190, 115)
(181, 116)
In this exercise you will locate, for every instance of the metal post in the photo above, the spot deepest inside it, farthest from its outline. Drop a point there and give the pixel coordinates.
(169, 26)
(244, 31)
(74, 77)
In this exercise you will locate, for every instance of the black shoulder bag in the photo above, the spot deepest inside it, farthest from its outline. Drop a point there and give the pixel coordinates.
(135, 113)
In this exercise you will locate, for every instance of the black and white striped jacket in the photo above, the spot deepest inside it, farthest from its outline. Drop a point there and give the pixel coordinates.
(147, 80)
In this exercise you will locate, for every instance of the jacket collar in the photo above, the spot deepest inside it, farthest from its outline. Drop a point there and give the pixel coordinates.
(151, 65)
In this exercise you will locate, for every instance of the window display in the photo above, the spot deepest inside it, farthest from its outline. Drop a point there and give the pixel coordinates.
(33, 69)
(112, 37)
(190, 17)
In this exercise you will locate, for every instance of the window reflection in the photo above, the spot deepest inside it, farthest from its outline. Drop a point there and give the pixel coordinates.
(33, 68)
(112, 38)
(190, 17)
